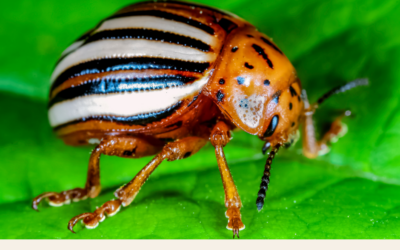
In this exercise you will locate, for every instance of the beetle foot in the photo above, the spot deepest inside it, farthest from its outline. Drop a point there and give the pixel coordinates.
(92, 220)
(234, 221)
(59, 199)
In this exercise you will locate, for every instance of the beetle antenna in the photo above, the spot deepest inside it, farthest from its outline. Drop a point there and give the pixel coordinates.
(343, 88)
(265, 178)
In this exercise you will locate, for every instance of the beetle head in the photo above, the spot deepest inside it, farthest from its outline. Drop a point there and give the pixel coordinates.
(256, 87)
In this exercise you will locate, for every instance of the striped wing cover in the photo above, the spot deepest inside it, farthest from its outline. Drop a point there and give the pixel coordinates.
(137, 66)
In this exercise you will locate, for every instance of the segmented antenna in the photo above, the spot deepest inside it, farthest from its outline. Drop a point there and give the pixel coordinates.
(265, 178)
(344, 88)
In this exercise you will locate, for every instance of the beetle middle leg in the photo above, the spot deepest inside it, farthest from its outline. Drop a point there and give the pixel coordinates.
(125, 195)
(219, 138)
(121, 146)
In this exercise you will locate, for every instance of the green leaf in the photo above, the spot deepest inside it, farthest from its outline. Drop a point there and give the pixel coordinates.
(352, 192)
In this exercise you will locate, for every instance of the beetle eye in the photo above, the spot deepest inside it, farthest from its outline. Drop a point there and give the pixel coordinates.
(272, 126)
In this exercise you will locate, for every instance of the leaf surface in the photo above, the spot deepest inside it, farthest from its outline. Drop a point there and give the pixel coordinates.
(352, 192)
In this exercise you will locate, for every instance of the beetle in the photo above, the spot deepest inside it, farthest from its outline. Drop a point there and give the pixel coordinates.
(163, 79)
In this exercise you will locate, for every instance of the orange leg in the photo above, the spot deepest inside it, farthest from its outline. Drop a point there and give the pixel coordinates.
(311, 147)
(126, 147)
(125, 195)
(220, 136)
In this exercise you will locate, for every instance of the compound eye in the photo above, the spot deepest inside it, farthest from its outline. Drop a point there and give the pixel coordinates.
(272, 126)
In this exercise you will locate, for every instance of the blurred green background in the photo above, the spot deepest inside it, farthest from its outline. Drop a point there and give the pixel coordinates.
(352, 192)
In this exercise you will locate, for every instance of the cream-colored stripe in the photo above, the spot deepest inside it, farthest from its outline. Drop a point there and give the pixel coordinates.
(121, 104)
(158, 23)
(130, 48)
(72, 47)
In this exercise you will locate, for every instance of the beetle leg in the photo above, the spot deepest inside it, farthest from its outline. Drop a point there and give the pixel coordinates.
(92, 187)
(311, 146)
(126, 147)
(220, 136)
(173, 151)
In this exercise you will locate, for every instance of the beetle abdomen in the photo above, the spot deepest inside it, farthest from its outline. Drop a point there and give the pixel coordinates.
(137, 66)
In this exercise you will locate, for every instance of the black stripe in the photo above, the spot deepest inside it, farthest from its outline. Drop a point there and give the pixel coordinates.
(168, 16)
(120, 85)
(142, 119)
(136, 63)
(271, 44)
(261, 52)
(149, 35)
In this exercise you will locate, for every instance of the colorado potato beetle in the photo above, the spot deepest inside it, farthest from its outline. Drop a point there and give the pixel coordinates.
(164, 78)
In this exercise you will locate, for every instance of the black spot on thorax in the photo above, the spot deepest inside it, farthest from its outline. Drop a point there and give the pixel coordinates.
(234, 49)
(292, 91)
(221, 81)
(261, 52)
(267, 82)
(248, 66)
(271, 44)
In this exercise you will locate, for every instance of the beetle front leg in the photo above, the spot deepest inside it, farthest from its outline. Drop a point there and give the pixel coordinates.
(126, 147)
(125, 195)
(219, 138)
